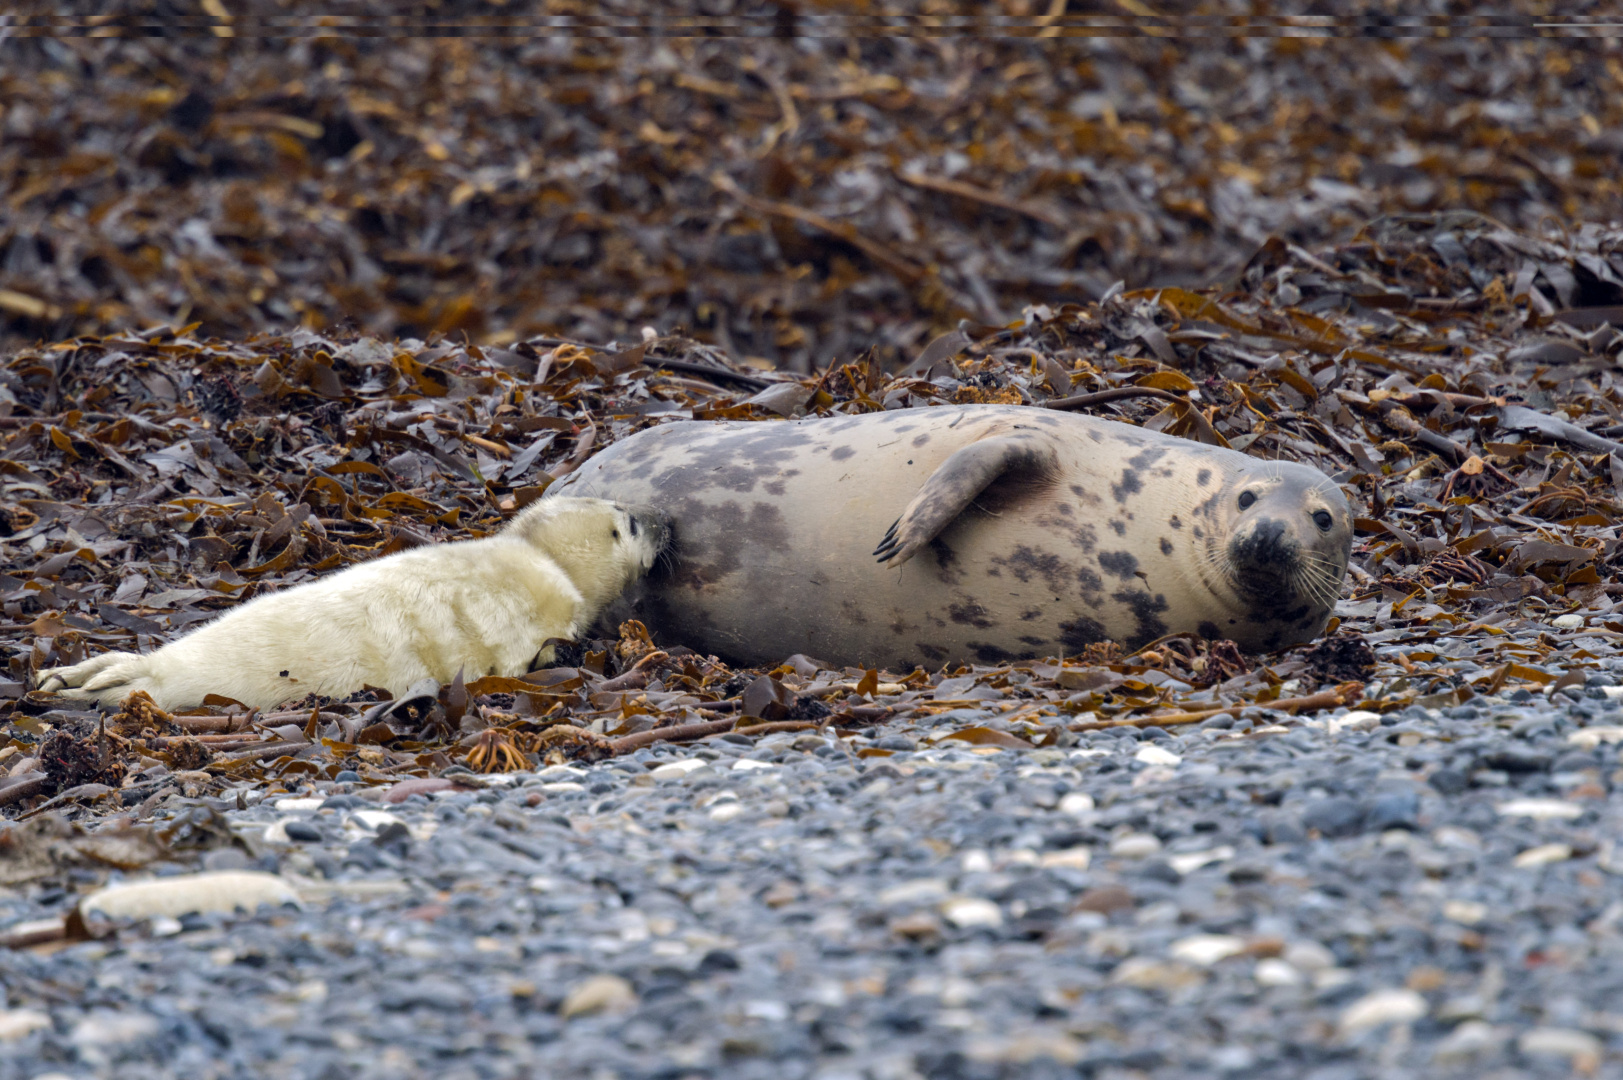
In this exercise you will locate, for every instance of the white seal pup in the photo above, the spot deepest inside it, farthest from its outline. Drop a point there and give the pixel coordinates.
(1004, 533)
(481, 606)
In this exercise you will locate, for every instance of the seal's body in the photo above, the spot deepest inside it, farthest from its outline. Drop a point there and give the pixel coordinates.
(1012, 533)
(481, 606)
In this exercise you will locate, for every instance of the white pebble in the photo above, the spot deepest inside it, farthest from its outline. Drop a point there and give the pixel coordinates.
(298, 804)
(1135, 846)
(375, 819)
(917, 891)
(1075, 858)
(1357, 720)
(747, 764)
(1076, 804)
(596, 994)
(967, 911)
(1276, 972)
(1590, 737)
(224, 890)
(1579, 1047)
(725, 812)
(975, 861)
(555, 773)
(1382, 1007)
(676, 770)
(1543, 855)
(1155, 755)
(1190, 861)
(1541, 809)
(1309, 955)
(1568, 622)
(104, 1027)
(18, 1023)
(1465, 912)
(1206, 949)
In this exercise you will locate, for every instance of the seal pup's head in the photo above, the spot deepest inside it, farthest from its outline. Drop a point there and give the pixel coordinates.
(1288, 538)
(603, 546)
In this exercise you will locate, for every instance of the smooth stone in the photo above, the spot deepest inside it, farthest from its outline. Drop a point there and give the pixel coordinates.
(1135, 846)
(1155, 755)
(1541, 809)
(106, 1028)
(1206, 949)
(224, 891)
(19, 1023)
(966, 912)
(1391, 1006)
(1333, 816)
(302, 831)
(1581, 1048)
(1471, 1039)
(1543, 855)
(1076, 803)
(1393, 810)
(598, 994)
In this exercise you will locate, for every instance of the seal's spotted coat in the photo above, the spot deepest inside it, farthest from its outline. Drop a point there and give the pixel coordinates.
(1004, 532)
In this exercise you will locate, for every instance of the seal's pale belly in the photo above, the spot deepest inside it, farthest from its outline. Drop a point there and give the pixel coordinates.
(774, 523)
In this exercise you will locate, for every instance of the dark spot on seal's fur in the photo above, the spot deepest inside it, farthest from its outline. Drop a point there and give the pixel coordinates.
(969, 613)
(1091, 583)
(842, 452)
(1081, 633)
(931, 652)
(1035, 642)
(1175, 521)
(1034, 613)
(853, 612)
(1203, 477)
(1209, 630)
(1198, 534)
(1129, 485)
(991, 654)
(1146, 610)
(946, 562)
(1026, 563)
(707, 563)
(1118, 526)
(1147, 457)
(921, 438)
(1166, 546)
(1121, 563)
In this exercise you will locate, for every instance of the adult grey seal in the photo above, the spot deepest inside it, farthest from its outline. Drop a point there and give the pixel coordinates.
(1003, 532)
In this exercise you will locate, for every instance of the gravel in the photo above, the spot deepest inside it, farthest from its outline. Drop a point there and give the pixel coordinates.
(1421, 895)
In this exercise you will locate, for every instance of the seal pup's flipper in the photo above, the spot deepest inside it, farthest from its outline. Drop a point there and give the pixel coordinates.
(956, 483)
(107, 679)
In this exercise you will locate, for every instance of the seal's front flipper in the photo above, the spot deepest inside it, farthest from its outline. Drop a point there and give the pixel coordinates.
(956, 484)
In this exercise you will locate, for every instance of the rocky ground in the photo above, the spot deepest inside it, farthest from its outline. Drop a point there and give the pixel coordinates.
(1416, 895)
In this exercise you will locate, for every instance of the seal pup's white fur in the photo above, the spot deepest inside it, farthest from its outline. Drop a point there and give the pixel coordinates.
(481, 606)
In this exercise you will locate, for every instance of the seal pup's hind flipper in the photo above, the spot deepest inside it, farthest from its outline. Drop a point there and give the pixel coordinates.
(957, 482)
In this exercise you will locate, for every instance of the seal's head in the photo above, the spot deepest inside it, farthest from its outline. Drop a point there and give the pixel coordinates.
(1284, 546)
(603, 546)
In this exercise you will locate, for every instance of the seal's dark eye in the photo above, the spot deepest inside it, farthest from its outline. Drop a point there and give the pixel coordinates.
(614, 533)
(1322, 519)
(1246, 499)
